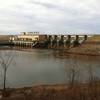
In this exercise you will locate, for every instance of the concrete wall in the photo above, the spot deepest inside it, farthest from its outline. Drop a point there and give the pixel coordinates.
(28, 37)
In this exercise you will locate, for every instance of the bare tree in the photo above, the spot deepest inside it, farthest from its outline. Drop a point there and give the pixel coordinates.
(73, 73)
(93, 81)
(5, 61)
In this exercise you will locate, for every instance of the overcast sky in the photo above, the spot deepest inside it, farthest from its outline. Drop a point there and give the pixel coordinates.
(56, 16)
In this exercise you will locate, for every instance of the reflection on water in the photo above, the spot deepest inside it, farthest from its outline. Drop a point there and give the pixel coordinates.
(47, 67)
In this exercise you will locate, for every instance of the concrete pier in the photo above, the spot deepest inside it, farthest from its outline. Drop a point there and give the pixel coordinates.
(85, 37)
(54, 41)
(61, 41)
(68, 41)
(76, 42)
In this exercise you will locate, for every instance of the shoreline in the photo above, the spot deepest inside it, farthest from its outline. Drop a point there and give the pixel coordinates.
(54, 92)
(79, 53)
(64, 51)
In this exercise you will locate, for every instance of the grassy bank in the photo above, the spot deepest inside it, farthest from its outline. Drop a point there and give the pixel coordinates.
(90, 47)
(56, 92)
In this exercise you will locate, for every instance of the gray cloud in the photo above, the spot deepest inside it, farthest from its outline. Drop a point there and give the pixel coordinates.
(49, 16)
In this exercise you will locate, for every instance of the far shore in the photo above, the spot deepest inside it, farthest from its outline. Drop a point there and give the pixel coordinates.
(80, 50)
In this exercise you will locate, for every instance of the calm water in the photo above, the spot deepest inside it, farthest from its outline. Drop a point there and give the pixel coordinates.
(46, 67)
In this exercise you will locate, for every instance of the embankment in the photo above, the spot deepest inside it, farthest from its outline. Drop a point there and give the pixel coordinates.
(56, 92)
(89, 47)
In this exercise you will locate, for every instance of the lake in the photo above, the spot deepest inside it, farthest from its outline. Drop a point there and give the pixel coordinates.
(36, 66)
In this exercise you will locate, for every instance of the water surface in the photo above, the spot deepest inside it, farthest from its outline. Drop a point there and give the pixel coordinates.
(46, 67)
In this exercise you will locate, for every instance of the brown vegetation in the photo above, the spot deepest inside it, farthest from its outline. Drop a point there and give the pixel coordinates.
(56, 92)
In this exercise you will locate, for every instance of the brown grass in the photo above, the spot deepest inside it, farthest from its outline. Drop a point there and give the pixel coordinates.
(56, 92)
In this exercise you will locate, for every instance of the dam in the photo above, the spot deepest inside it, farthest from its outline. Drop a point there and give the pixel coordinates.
(37, 40)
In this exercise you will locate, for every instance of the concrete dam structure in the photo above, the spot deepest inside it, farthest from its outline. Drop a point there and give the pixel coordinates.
(61, 41)
(50, 41)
